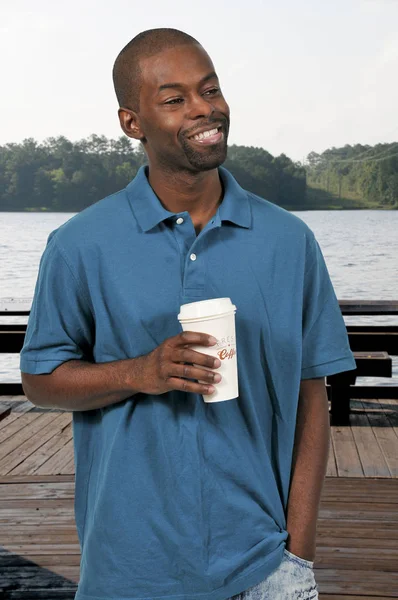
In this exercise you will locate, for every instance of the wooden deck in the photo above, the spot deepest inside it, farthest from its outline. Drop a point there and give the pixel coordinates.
(357, 544)
(35, 441)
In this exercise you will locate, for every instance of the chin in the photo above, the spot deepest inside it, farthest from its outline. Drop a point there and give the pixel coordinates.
(207, 162)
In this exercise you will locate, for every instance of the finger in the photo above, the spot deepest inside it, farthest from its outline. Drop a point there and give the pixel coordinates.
(197, 338)
(184, 385)
(193, 372)
(185, 355)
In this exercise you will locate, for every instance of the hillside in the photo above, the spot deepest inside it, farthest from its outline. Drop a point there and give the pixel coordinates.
(60, 175)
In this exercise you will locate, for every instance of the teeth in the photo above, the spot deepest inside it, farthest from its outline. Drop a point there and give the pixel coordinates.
(205, 134)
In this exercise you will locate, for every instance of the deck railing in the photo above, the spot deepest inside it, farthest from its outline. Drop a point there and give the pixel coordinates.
(376, 339)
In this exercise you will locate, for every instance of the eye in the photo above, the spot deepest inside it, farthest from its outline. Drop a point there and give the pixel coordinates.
(173, 100)
(212, 91)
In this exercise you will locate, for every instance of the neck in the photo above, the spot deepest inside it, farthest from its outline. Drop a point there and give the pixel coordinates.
(200, 194)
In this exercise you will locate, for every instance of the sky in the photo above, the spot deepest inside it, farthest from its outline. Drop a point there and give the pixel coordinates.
(298, 76)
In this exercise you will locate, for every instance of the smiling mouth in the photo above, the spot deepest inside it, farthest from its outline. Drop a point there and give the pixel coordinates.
(206, 138)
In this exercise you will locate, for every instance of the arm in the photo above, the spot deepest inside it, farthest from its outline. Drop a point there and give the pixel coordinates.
(80, 385)
(310, 457)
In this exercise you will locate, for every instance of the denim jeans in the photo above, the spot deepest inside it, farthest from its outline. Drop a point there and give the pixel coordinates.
(294, 579)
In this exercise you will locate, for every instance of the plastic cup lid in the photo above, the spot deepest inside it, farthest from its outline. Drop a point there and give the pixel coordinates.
(206, 308)
(210, 318)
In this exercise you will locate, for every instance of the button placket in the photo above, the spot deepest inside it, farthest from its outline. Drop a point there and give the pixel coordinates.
(194, 255)
(194, 275)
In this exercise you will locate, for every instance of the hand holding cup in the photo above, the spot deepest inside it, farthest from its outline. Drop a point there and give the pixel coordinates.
(216, 317)
(173, 364)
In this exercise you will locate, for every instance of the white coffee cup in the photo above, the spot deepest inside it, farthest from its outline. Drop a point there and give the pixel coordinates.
(215, 317)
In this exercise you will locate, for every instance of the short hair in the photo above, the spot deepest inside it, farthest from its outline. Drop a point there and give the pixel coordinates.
(127, 75)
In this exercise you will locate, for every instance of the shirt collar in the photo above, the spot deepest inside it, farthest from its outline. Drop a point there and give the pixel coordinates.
(235, 206)
(149, 211)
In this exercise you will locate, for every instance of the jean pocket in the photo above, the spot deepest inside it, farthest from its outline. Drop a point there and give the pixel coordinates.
(309, 564)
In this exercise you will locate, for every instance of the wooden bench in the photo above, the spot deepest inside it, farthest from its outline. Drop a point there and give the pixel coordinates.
(371, 346)
(365, 338)
(369, 364)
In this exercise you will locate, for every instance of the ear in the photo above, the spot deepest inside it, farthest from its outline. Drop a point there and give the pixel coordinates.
(130, 123)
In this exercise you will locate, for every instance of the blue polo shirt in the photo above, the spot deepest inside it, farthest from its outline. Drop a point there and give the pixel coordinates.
(177, 499)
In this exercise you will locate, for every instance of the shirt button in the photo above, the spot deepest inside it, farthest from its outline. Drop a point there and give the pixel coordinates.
(193, 257)
(180, 220)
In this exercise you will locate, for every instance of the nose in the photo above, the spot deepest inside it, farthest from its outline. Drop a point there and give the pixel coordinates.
(199, 107)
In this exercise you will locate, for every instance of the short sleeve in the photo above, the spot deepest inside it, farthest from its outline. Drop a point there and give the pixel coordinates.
(325, 345)
(60, 323)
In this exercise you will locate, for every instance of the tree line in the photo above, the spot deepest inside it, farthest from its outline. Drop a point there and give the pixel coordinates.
(60, 175)
(362, 172)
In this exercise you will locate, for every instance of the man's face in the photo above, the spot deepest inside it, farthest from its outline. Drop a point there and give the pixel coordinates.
(181, 97)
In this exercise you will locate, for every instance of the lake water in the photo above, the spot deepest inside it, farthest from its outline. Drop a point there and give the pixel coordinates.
(360, 249)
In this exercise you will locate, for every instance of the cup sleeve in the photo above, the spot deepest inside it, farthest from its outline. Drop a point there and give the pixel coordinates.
(325, 345)
(60, 325)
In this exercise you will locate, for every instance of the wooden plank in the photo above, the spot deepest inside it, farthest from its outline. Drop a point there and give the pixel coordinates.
(57, 462)
(15, 423)
(376, 355)
(41, 560)
(11, 388)
(37, 518)
(374, 391)
(15, 399)
(16, 411)
(49, 536)
(328, 527)
(40, 461)
(377, 364)
(31, 530)
(11, 341)
(33, 490)
(54, 548)
(40, 537)
(359, 582)
(370, 454)
(362, 558)
(367, 490)
(55, 575)
(15, 306)
(378, 328)
(17, 448)
(331, 470)
(16, 402)
(5, 479)
(369, 483)
(346, 453)
(390, 410)
(339, 543)
(4, 411)
(387, 438)
(347, 495)
(35, 504)
(70, 466)
(359, 511)
(369, 307)
(375, 339)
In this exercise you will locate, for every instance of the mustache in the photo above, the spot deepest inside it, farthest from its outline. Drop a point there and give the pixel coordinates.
(224, 121)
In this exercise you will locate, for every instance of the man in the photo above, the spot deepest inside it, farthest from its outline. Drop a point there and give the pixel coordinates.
(177, 499)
